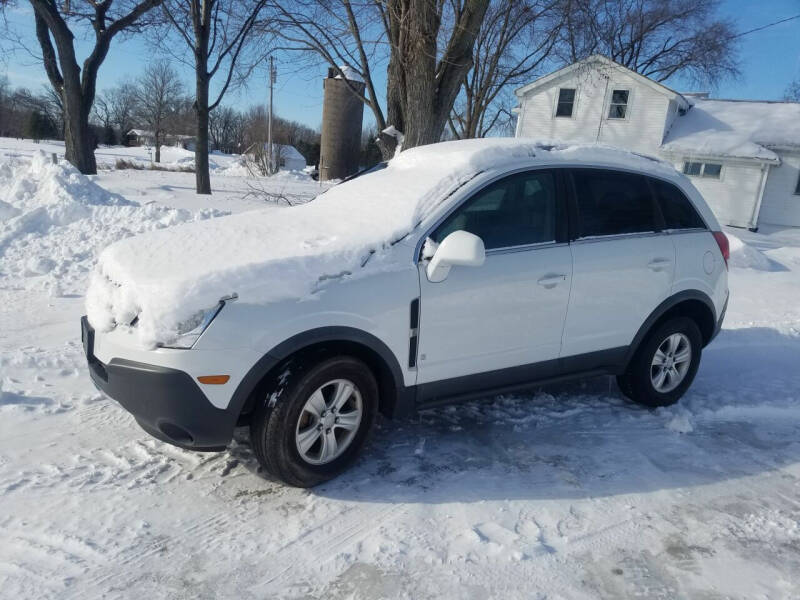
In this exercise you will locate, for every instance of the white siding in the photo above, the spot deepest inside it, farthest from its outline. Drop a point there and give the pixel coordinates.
(732, 198)
(781, 206)
(642, 130)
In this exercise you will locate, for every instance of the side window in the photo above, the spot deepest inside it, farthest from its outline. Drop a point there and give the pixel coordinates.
(566, 102)
(514, 211)
(678, 211)
(619, 104)
(612, 203)
(692, 168)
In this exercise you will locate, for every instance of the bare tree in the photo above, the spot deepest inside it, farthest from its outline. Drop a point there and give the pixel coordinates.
(429, 45)
(226, 130)
(515, 40)
(216, 32)
(56, 26)
(793, 91)
(121, 103)
(655, 38)
(422, 89)
(102, 111)
(158, 94)
(5, 105)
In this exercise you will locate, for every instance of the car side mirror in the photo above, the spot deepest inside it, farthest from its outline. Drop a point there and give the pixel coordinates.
(460, 248)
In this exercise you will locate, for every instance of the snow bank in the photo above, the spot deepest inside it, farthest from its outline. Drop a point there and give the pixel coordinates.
(264, 256)
(55, 221)
(745, 256)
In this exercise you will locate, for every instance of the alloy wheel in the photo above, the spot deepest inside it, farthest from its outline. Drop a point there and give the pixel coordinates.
(671, 363)
(329, 421)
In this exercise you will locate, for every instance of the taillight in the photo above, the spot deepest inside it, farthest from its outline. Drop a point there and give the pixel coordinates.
(724, 246)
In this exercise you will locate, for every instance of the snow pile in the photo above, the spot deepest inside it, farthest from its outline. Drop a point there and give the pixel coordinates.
(263, 256)
(56, 221)
(679, 420)
(745, 256)
(237, 168)
(736, 129)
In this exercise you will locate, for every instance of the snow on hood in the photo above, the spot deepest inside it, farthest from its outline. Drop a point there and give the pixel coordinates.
(736, 129)
(164, 278)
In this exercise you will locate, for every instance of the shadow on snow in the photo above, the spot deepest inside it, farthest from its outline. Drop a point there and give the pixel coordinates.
(583, 439)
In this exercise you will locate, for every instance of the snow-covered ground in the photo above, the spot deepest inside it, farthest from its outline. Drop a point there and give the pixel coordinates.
(570, 492)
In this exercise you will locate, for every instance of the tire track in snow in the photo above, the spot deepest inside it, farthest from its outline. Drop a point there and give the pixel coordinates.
(322, 542)
(135, 464)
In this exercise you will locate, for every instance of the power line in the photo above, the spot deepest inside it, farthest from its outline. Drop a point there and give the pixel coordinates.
(764, 26)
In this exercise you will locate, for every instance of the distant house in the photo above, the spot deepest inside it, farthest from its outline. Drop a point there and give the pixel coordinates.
(139, 137)
(744, 156)
(289, 158)
(143, 137)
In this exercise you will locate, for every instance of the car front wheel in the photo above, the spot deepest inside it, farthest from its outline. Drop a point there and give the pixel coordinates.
(664, 366)
(313, 426)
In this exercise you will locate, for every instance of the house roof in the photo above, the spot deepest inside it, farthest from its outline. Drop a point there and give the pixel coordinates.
(736, 129)
(290, 152)
(608, 63)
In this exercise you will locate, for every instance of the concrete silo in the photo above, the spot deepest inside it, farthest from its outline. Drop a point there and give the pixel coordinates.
(342, 115)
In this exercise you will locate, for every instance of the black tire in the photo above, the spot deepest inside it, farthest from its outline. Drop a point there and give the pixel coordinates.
(275, 421)
(637, 384)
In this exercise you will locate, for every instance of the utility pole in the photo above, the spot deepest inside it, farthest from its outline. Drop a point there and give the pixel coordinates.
(273, 74)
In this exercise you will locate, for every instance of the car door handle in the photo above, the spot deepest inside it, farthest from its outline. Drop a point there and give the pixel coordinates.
(551, 281)
(659, 264)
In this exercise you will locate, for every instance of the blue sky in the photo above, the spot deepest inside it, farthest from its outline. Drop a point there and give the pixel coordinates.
(770, 59)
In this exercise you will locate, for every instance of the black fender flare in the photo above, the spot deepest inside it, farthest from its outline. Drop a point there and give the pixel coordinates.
(402, 403)
(661, 310)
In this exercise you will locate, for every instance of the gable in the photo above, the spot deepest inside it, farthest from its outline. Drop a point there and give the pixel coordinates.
(602, 66)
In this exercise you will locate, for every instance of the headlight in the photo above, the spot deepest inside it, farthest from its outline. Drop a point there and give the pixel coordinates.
(190, 331)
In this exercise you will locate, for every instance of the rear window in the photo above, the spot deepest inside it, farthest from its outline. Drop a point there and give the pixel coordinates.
(678, 211)
(612, 203)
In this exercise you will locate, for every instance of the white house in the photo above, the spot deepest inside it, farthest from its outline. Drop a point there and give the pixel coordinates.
(144, 137)
(744, 156)
(289, 158)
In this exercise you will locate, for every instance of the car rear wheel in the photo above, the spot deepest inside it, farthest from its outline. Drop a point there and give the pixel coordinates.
(664, 365)
(315, 423)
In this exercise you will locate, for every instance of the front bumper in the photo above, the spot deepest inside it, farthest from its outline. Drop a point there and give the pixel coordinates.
(167, 403)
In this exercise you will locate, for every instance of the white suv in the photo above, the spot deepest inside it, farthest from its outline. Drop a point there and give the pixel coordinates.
(488, 266)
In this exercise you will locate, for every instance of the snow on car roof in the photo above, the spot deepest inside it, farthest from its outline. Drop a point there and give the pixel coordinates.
(165, 277)
(736, 129)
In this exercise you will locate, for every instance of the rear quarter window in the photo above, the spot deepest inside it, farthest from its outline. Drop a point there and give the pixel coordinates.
(678, 210)
(612, 203)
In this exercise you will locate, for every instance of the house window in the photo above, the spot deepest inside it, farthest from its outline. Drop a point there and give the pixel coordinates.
(566, 102)
(698, 169)
(692, 168)
(712, 170)
(619, 104)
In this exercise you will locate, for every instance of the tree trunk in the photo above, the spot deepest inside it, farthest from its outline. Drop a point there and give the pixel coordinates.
(420, 92)
(157, 142)
(78, 139)
(201, 172)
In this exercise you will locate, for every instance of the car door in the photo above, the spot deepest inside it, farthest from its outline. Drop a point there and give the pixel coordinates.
(509, 311)
(623, 264)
